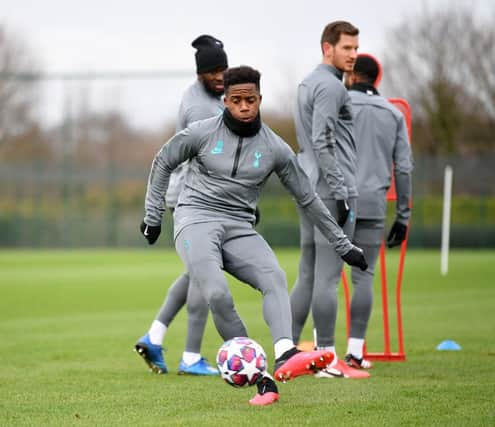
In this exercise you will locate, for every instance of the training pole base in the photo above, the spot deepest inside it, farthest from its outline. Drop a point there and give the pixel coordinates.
(386, 357)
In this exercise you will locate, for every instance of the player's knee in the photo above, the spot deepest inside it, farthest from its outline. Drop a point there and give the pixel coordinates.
(362, 277)
(218, 300)
(277, 278)
(197, 308)
(198, 314)
(323, 298)
(307, 245)
(202, 272)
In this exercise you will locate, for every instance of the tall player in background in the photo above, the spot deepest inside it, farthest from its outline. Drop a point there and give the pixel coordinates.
(202, 100)
(327, 153)
(382, 149)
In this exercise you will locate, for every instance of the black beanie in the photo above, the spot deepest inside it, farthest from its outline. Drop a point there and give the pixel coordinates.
(209, 55)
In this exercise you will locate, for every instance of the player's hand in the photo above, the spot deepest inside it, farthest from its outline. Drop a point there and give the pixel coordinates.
(397, 234)
(355, 258)
(257, 216)
(342, 212)
(150, 232)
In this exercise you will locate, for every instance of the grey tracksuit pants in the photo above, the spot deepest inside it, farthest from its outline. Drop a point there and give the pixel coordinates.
(319, 274)
(197, 311)
(210, 248)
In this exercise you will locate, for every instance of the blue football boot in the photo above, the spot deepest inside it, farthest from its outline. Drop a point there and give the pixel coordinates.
(152, 354)
(201, 367)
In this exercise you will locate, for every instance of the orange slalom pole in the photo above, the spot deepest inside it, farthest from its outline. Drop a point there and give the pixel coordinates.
(386, 324)
(387, 355)
(347, 300)
(398, 292)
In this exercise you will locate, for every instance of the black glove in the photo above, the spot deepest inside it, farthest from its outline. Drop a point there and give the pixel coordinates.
(257, 216)
(355, 258)
(397, 234)
(342, 212)
(150, 232)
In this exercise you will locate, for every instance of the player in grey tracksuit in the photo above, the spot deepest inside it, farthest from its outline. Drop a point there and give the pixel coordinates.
(382, 142)
(327, 152)
(202, 100)
(197, 104)
(230, 159)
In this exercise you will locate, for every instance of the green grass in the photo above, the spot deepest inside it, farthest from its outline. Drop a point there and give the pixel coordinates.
(68, 322)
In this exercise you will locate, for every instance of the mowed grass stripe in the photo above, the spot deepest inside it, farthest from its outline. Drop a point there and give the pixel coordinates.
(69, 320)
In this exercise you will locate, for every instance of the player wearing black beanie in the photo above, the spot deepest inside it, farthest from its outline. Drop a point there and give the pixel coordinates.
(209, 55)
(201, 100)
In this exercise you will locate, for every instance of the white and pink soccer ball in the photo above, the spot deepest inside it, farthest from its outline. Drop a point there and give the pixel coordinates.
(241, 361)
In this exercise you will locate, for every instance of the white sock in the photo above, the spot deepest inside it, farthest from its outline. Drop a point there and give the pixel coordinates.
(355, 347)
(327, 348)
(190, 358)
(282, 345)
(157, 332)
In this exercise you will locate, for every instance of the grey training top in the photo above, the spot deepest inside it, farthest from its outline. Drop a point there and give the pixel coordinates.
(197, 104)
(381, 135)
(226, 175)
(325, 136)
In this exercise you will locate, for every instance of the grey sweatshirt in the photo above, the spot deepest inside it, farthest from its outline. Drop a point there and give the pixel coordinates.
(226, 175)
(197, 104)
(382, 139)
(324, 129)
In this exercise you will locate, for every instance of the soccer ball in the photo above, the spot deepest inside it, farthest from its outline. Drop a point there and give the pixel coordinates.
(241, 361)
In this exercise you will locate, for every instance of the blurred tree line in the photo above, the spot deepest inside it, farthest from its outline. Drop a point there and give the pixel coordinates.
(442, 62)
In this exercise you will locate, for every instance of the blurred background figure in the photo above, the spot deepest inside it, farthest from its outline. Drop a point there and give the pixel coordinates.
(202, 100)
(383, 151)
(327, 153)
(81, 120)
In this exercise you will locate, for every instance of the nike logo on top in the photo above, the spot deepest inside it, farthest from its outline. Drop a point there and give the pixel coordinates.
(218, 148)
(146, 232)
(257, 157)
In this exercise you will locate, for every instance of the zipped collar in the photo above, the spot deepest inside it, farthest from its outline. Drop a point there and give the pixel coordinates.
(337, 73)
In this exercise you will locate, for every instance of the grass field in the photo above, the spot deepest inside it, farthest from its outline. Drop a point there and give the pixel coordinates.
(68, 322)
